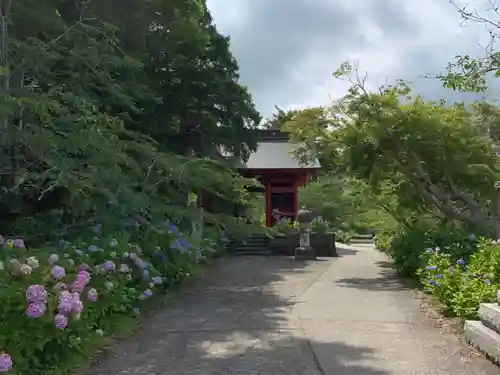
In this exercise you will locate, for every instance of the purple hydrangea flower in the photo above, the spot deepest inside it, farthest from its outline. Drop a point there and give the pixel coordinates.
(5, 362)
(18, 243)
(36, 310)
(57, 272)
(431, 268)
(61, 321)
(148, 293)
(157, 280)
(109, 265)
(461, 262)
(65, 302)
(36, 293)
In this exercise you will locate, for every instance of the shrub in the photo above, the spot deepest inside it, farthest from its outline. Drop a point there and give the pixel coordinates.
(343, 236)
(319, 225)
(460, 285)
(60, 302)
(284, 227)
(405, 245)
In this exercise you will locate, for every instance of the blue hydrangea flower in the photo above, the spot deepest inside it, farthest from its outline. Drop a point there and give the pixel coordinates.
(460, 262)
(93, 248)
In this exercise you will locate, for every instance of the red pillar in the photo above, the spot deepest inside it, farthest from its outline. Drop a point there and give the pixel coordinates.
(268, 205)
(296, 200)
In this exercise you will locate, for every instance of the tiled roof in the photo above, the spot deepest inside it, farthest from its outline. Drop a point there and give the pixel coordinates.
(277, 155)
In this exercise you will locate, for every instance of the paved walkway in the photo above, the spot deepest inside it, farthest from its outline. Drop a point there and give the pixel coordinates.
(276, 316)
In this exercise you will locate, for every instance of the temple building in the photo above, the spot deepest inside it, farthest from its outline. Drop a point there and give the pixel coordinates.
(280, 172)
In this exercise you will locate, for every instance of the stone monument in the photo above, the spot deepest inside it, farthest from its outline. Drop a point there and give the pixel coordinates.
(304, 251)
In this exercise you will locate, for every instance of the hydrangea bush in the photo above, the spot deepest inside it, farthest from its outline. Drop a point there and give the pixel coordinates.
(61, 301)
(460, 284)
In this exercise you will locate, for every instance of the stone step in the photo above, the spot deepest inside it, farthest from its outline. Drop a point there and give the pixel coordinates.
(483, 338)
(253, 252)
(360, 241)
(489, 315)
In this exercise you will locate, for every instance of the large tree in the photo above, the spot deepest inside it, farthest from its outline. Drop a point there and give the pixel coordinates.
(111, 101)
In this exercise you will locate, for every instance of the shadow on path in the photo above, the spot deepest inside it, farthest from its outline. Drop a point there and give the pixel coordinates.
(235, 319)
(386, 280)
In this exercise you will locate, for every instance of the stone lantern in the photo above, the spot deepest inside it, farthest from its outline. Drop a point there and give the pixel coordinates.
(304, 251)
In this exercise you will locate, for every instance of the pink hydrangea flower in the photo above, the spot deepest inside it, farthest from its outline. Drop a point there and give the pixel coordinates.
(76, 304)
(77, 286)
(83, 267)
(92, 295)
(83, 277)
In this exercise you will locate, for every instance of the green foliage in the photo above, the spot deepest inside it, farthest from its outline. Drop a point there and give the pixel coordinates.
(112, 112)
(344, 236)
(405, 245)
(60, 301)
(284, 227)
(460, 285)
(320, 225)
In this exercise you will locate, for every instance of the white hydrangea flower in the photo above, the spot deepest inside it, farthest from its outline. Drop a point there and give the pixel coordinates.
(33, 262)
(53, 258)
(25, 269)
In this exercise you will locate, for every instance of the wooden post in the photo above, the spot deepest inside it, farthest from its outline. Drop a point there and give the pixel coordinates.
(268, 205)
(295, 201)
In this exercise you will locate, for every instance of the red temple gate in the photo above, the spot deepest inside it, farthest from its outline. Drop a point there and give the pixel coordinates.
(275, 166)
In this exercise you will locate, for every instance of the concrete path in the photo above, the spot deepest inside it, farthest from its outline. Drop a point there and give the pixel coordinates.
(275, 316)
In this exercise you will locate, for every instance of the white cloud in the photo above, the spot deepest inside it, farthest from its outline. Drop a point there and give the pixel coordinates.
(287, 50)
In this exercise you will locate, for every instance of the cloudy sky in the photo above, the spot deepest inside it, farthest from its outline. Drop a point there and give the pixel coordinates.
(287, 49)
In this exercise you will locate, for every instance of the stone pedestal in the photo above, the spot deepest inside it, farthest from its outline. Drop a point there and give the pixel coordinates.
(304, 251)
